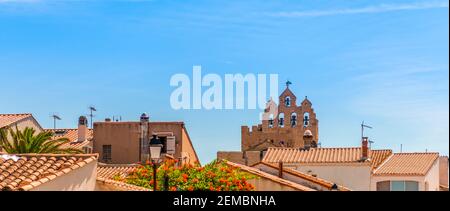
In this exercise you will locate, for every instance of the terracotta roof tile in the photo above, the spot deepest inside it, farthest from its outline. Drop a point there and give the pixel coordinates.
(109, 171)
(324, 155)
(268, 176)
(407, 164)
(8, 119)
(121, 185)
(26, 171)
(71, 134)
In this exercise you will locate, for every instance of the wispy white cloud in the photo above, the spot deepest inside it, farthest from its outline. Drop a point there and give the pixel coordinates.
(18, 1)
(362, 10)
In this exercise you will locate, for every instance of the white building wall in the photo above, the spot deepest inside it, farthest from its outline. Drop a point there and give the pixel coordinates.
(354, 177)
(432, 178)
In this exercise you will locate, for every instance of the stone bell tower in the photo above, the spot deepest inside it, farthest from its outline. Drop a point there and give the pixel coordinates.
(291, 125)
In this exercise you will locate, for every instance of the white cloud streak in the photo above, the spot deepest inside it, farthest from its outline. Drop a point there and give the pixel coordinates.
(363, 10)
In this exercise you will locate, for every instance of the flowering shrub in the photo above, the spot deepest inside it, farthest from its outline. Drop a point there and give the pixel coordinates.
(215, 176)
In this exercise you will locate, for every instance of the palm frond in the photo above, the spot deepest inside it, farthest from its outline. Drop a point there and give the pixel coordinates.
(25, 141)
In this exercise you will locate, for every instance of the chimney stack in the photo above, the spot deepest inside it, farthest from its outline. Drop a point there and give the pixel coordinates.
(82, 128)
(308, 139)
(365, 148)
(280, 169)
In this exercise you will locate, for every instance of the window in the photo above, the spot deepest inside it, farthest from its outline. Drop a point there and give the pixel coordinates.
(281, 120)
(397, 186)
(106, 151)
(383, 186)
(306, 119)
(287, 101)
(163, 139)
(271, 121)
(293, 119)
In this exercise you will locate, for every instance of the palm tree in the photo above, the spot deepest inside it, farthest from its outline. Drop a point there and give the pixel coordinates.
(26, 141)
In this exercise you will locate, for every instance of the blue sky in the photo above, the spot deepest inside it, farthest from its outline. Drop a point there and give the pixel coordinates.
(385, 62)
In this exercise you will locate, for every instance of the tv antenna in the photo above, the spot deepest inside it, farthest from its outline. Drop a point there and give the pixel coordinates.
(91, 115)
(362, 129)
(55, 117)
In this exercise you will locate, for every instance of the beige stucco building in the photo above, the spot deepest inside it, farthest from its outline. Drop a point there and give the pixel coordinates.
(127, 142)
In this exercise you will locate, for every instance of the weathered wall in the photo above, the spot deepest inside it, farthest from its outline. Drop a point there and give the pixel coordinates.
(123, 138)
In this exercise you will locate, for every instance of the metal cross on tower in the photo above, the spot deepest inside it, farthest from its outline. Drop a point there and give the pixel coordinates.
(288, 83)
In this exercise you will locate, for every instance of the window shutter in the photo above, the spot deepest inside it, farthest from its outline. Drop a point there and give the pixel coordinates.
(171, 145)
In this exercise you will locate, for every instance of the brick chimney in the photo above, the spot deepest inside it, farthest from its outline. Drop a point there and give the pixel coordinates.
(365, 148)
(82, 128)
(280, 169)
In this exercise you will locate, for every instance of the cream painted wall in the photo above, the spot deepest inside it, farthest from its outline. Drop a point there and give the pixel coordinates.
(290, 177)
(27, 122)
(432, 178)
(354, 177)
(262, 184)
(187, 148)
(81, 179)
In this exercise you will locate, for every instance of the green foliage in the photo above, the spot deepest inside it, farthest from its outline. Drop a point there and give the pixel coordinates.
(26, 141)
(215, 176)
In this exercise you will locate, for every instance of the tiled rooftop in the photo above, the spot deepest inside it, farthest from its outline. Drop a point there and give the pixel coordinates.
(72, 135)
(109, 171)
(8, 119)
(27, 171)
(324, 155)
(407, 164)
(268, 176)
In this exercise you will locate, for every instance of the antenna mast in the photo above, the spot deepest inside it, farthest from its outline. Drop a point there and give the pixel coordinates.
(55, 117)
(91, 115)
(362, 129)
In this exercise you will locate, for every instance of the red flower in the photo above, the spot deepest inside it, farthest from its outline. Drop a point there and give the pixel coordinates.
(190, 188)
